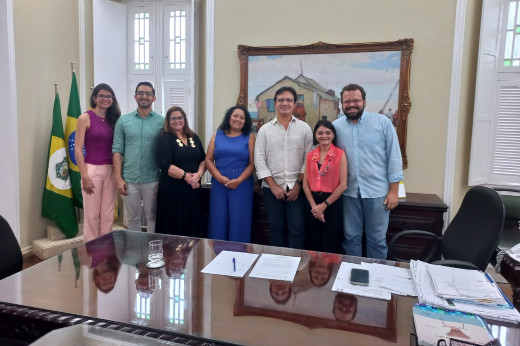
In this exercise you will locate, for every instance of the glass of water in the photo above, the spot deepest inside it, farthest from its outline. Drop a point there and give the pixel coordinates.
(155, 254)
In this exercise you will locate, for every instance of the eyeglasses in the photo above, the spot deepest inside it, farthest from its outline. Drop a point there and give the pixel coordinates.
(347, 102)
(105, 97)
(141, 93)
(174, 119)
(285, 100)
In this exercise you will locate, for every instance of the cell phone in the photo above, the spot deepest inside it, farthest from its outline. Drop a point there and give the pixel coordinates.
(359, 277)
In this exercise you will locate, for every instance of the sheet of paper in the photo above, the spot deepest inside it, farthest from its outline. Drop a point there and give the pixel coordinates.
(223, 264)
(276, 267)
(401, 193)
(401, 284)
(342, 283)
(395, 280)
(515, 256)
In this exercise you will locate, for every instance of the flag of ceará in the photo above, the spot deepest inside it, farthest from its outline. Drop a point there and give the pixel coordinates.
(73, 112)
(57, 202)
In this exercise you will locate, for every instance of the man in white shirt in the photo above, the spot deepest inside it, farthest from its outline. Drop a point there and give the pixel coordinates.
(280, 151)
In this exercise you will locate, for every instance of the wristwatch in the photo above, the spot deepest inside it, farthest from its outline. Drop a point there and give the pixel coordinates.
(327, 203)
(299, 182)
(184, 175)
(200, 175)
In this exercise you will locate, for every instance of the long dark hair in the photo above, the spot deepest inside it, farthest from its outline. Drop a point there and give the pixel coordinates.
(168, 129)
(328, 125)
(113, 112)
(226, 126)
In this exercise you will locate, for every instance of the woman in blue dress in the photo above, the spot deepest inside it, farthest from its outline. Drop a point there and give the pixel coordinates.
(230, 160)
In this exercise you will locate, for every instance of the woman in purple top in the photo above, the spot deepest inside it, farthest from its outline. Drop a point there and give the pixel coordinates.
(95, 131)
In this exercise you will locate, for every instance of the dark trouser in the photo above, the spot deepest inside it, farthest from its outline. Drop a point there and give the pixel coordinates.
(282, 213)
(326, 236)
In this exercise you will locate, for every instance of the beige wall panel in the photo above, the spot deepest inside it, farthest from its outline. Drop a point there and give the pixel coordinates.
(467, 100)
(46, 42)
(200, 82)
(293, 22)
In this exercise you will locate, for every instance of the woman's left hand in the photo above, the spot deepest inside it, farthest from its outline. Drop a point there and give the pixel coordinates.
(232, 184)
(195, 186)
(195, 179)
(318, 209)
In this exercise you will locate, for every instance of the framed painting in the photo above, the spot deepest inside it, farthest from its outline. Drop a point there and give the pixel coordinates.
(319, 71)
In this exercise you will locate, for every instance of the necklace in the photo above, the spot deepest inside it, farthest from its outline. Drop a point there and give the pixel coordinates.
(320, 173)
(191, 142)
(100, 125)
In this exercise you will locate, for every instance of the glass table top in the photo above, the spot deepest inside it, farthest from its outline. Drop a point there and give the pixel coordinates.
(108, 278)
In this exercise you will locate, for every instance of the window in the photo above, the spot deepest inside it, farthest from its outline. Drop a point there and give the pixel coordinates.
(511, 47)
(495, 147)
(140, 51)
(142, 41)
(160, 50)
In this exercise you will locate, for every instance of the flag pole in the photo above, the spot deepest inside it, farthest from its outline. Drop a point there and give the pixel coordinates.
(72, 67)
(55, 88)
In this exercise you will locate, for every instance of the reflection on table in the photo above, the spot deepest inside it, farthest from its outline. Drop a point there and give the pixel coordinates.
(108, 279)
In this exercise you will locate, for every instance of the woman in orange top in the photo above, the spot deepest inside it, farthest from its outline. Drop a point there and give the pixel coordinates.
(324, 181)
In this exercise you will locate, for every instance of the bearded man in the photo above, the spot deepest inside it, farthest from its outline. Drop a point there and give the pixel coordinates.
(374, 172)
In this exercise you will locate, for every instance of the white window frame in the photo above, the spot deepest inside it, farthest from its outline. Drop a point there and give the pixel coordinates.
(132, 9)
(160, 76)
(180, 6)
(503, 30)
(491, 75)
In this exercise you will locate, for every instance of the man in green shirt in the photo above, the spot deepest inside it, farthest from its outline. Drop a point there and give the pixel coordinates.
(135, 169)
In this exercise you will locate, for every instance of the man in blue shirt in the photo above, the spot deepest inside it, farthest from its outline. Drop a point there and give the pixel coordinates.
(374, 172)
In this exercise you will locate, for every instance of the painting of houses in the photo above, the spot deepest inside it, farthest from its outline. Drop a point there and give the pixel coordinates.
(318, 80)
(314, 100)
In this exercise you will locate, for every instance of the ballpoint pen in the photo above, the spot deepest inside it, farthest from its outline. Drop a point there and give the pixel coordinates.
(234, 266)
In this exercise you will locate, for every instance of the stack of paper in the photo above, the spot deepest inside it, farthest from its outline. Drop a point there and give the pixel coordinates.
(384, 281)
(515, 256)
(394, 279)
(427, 290)
(469, 286)
(342, 283)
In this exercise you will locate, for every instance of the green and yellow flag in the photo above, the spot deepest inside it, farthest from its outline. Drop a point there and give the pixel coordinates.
(57, 202)
(73, 112)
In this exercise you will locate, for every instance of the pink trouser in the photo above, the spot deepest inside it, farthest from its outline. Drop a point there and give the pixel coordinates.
(99, 206)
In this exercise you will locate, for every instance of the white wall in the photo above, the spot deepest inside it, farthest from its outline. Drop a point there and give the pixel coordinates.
(9, 201)
(46, 38)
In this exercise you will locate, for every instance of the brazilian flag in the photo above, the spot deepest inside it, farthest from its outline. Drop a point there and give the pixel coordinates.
(73, 112)
(57, 202)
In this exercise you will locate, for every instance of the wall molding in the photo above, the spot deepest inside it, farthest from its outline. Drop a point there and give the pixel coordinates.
(210, 94)
(82, 56)
(210, 67)
(10, 204)
(27, 251)
(453, 109)
(210, 72)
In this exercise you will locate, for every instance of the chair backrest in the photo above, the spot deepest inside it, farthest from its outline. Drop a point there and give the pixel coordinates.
(475, 231)
(11, 260)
